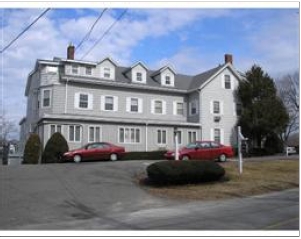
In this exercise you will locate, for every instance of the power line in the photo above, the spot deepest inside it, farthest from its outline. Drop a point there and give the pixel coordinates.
(26, 29)
(91, 29)
(105, 33)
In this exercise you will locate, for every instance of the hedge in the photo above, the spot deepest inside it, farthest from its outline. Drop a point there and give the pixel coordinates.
(184, 172)
(55, 148)
(152, 155)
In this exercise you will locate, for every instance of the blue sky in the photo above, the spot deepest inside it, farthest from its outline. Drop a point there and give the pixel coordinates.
(191, 40)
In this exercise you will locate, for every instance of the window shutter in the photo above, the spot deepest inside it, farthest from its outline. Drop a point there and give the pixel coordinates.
(140, 105)
(175, 108)
(115, 103)
(222, 135)
(76, 100)
(221, 103)
(128, 104)
(211, 107)
(153, 106)
(90, 101)
(102, 102)
(163, 107)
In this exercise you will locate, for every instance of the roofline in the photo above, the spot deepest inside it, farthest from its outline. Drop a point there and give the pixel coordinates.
(227, 65)
(108, 58)
(80, 118)
(123, 85)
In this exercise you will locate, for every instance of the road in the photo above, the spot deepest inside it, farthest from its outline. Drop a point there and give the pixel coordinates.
(103, 196)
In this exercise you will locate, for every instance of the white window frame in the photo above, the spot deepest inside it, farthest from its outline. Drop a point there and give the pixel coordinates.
(129, 105)
(103, 103)
(160, 131)
(51, 69)
(175, 108)
(77, 101)
(80, 133)
(139, 76)
(75, 69)
(107, 72)
(221, 107)
(50, 98)
(132, 131)
(212, 134)
(190, 136)
(153, 105)
(56, 129)
(89, 71)
(224, 82)
(94, 133)
(180, 137)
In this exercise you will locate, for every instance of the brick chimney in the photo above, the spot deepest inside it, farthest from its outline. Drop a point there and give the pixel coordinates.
(70, 52)
(228, 58)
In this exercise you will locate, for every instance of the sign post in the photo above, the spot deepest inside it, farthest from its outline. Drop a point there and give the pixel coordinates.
(240, 138)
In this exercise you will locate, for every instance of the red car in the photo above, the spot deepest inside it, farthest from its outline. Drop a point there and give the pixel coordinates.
(95, 151)
(203, 150)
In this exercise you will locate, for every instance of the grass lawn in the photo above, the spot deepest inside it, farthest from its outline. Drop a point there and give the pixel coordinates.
(257, 178)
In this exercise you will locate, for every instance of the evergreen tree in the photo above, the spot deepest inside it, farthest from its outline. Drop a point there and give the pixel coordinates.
(263, 112)
(55, 148)
(32, 150)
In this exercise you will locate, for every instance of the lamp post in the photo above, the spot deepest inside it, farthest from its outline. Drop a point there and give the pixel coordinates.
(176, 143)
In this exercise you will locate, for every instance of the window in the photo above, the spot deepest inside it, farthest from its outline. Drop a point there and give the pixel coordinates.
(179, 137)
(158, 107)
(217, 135)
(88, 70)
(216, 107)
(161, 136)
(107, 72)
(75, 133)
(51, 69)
(134, 105)
(139, 76)
(129, 135)
(109, 103)
(167, 80)
(55, 128)
(46, 98)
(193, 108)
(94, 134)
(75, 69)
(227, 82)
(191, 136)
(83, 101)
(180, 108)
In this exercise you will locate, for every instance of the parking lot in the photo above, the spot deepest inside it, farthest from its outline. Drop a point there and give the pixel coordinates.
(104, 196)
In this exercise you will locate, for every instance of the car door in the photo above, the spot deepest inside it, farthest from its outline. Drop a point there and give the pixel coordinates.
(204, 151)
(215, 150)
(91, 152)
(103, 151)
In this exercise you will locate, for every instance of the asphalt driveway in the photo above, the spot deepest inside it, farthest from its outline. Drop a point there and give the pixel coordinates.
(103, 196)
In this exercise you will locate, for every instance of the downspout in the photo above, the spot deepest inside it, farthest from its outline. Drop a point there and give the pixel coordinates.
(146, 138)
(66, 96)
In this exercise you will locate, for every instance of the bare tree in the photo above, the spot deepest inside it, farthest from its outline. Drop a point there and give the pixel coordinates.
(288, 90)
(7, 127)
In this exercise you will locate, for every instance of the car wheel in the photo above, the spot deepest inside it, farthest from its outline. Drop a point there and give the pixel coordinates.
(77, 158)
(185, 158)
(222, 158)
(113, 157)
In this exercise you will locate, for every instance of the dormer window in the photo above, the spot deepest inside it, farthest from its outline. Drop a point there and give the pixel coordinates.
(75, 69)
(139, 76)
(107, 72)
(167, 80)
(88, 70)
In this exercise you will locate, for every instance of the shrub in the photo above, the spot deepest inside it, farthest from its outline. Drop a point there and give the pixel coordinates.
(32, 150)
(55, 148)
(184, 172)
(153, 155)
